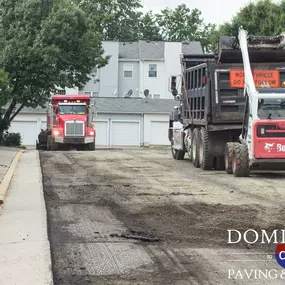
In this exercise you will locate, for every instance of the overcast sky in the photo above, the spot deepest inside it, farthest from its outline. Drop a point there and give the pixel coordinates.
(213, 11)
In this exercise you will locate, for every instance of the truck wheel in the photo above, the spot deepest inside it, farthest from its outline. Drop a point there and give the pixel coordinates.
(91, 146)
(229, 157)
(177, 154)
(188, 141)
(53, 145)
(205, 158)
(195, 148)
(240, 160)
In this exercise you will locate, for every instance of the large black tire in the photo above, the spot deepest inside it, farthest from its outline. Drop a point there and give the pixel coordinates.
(206, 160)
(177, 154)
(91, 146)
(195, 148)
(53, 145)
(229, 157)
(240, 160)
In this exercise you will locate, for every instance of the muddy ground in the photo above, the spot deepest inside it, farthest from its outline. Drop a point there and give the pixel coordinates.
(139, 217)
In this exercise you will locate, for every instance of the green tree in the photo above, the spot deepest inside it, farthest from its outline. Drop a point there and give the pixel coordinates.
(183, 24)
(115, 19)
(258, 18)
(4, 95)
(43, 44)
(149, 29)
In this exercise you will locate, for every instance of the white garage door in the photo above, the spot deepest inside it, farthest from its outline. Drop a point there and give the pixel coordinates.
(101, 133)
(125, 133)
(28, 131)
(159, 133)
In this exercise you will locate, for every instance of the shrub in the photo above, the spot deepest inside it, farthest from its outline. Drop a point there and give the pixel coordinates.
(12, 139)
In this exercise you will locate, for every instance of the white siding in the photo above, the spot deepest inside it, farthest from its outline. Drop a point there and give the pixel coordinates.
(155, 85)
(125, 133)
(29, 126)
(156, 129)
(172, 65)
(28, 131)
(159, 133)
(102, 132)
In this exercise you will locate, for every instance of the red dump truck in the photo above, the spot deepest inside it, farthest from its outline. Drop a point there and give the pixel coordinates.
(69, 124)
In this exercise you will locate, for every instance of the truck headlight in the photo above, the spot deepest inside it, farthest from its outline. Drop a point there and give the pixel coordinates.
(91, 133)
(57, 133)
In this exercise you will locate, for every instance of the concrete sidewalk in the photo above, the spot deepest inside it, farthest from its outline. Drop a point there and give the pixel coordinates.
(24, 246)
(6, 157)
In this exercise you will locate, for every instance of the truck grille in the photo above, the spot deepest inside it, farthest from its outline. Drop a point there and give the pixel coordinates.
(74, 129)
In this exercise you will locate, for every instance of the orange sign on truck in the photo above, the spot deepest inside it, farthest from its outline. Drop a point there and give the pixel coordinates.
(260, 77)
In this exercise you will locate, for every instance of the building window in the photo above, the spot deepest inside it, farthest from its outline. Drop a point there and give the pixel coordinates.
(152, 72)
(156, 96)
(95, 94)
(128, 70)
(87, 93)
(60, 91)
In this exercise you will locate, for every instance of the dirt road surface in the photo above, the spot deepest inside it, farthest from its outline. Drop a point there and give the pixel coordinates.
(139, 217)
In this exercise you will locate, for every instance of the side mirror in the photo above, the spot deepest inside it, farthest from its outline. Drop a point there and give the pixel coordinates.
(174, 92)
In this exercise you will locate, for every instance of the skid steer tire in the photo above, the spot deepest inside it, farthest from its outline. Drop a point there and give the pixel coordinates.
(205, 158)
(196, 147)
(240, 160)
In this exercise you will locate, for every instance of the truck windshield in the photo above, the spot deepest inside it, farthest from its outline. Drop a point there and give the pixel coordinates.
(72, 109)
(271, 108)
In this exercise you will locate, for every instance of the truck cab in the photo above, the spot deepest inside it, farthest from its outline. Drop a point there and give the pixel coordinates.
(69, 122)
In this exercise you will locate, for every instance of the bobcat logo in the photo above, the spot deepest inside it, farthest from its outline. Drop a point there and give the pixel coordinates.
(269, 146)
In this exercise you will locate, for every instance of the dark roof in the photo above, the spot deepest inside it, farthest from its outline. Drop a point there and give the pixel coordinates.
(151, 50)
(129, 50)
(192, 48)
(125, 105)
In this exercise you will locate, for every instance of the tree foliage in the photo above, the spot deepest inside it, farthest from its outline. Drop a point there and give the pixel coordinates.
(114, 19)
(184, 24)
(258, 18)
(148, 28)
(43, 44)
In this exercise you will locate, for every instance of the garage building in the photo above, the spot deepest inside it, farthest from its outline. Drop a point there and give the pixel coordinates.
(119, 122)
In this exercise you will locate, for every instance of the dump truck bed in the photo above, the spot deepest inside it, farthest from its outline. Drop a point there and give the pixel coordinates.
(220, 101)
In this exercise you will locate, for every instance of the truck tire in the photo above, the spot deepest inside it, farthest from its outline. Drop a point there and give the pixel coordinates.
(177, 154)
(240, 160)
(229, 157)
(195, 148)
(53, 145)
(206, 160)
(91, 146)
(187, 146)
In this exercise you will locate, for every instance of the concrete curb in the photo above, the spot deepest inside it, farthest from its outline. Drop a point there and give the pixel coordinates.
(6, 181)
